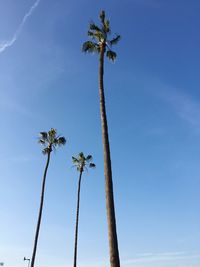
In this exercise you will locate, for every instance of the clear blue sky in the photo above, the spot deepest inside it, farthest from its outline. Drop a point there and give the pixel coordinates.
(153, 105)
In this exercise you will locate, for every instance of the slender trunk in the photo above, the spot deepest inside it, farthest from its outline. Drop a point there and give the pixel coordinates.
(40, 210)
(77, 219)
(112, 232)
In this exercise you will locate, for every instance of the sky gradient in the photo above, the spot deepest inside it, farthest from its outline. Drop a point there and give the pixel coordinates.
(153, 106)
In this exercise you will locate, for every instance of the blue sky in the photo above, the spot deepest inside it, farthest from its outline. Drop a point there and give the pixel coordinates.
(153, 106)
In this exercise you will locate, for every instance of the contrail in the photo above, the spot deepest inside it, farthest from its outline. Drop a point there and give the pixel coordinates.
(8, 43)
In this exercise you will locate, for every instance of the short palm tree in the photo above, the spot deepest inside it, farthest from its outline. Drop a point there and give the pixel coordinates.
(101, 44)
(81, 162)
(50, 140)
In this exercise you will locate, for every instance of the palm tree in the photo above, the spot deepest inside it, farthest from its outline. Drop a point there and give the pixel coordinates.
(81, 163)
(50, 141)
(102, 45)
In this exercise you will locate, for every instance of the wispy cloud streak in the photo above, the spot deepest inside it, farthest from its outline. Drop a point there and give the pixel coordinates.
(182, 102)
(160, 258)
(187, 108)
(8, 43)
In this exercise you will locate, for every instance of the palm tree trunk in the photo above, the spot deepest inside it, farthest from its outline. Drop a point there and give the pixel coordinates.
(40, 210)
(77, 219)
(112, 232)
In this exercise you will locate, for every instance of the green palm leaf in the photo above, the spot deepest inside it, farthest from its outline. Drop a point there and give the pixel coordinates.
(91, 34)
(106, 26)
(45, 150)
(89, 158)
(43, 135)
(111, 55)
(74, 160)
(89, 47)
(102, 16)
(92, 165)
(115, 40)
(94, 27)
(61, 141)
(41, 141)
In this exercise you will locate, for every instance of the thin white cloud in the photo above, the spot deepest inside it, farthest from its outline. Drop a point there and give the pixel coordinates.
(165, 259)
(184, 105)
(5, 44)
(187, 108)
(161, 258)
(168, 259)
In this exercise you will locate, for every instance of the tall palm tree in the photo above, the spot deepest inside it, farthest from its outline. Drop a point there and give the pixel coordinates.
(102, 45)
(81, 162)
(50, 140)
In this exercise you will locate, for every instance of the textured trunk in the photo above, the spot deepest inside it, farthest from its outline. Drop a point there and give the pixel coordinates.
(40, 211)
(112, 232)
(77, 219)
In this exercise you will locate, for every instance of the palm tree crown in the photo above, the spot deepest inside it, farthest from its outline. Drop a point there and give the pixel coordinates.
(82, 162)
(99, 35)
(50, 140)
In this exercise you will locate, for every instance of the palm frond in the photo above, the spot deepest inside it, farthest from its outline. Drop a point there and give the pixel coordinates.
(45, 150)
(115, 40)
(92, 165)
(89, 158)
(89, 47)
(52, 132)
(52, 135)
(81, 156)
(111, 55)
(98, 35)
(75, 160)
(94, 27)
(41, 141)
(102, 16)
(106, 26)
(91, 34)
(43, 135)
(61, 141)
